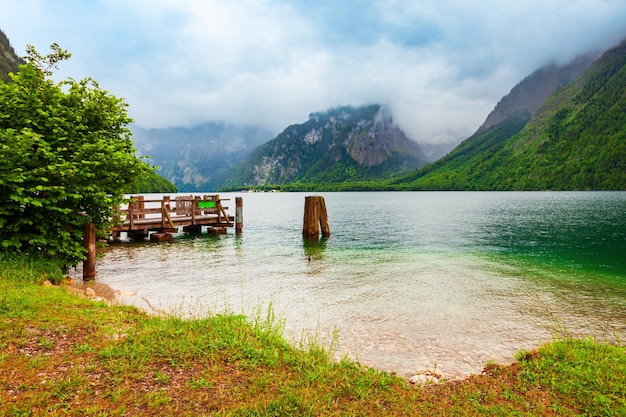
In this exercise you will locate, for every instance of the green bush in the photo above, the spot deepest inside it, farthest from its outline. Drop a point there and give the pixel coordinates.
(66, 157)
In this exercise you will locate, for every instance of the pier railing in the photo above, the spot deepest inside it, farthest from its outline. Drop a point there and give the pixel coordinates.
(164, 216)
(167, 213)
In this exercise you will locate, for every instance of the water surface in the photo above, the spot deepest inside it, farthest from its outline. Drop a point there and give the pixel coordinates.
(407, 281)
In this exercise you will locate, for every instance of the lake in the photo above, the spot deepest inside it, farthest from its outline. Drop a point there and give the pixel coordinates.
(407, 281)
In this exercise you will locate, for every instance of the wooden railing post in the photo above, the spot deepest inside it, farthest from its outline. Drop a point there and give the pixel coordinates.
(89, 242)
(195, 207)
(218, 205)
(131, 215)
(165, 212)
(141, 205)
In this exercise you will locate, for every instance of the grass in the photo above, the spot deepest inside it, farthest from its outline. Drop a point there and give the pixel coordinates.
(61, 354)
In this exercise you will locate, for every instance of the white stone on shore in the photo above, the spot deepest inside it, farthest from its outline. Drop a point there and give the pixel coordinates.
(425, 377)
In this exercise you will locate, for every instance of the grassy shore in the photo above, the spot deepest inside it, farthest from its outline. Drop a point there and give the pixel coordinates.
(61, 354)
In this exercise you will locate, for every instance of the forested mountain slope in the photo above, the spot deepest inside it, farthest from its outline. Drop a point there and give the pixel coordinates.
(575, 141)
(341, 144)
(529, 94)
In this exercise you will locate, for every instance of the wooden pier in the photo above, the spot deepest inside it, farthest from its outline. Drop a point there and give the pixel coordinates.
(163, 217)
(166, 215)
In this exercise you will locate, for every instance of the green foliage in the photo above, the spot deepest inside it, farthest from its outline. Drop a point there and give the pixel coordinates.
(32, 269)
(45, 63)
(66, 158)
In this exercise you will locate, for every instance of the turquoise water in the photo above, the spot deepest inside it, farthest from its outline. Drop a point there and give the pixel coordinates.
(407, 281)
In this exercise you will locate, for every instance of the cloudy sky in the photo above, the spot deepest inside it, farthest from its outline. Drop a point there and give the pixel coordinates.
(441, 66)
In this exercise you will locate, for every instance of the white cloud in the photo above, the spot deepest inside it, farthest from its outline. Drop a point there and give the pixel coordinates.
(440, 66)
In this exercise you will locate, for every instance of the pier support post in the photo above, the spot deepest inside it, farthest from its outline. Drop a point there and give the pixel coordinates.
(194, 228)
(89, 242)
(315, 216)
(161, 237)
(238, 215)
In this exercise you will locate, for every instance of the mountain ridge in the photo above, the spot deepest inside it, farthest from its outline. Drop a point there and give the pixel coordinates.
(529, 94)
(562, 127)
(340, 144)
(576, 140)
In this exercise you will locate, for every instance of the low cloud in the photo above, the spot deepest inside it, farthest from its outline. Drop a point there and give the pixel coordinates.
(440, 67)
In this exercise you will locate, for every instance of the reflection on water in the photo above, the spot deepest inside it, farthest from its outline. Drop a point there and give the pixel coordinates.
(409, 281)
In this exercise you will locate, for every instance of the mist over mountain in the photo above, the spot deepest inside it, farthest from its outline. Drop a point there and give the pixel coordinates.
(529, 94)
(340, 144)
(574, 140)
(198, 158)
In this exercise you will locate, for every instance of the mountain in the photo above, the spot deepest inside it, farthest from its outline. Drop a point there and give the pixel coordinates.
(338, 145)
(575, 139)
(198, 158)
(9, 60)
(527, 96)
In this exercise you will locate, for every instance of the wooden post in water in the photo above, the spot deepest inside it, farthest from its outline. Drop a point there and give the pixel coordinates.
(311, 219)
(89, 242)
(238, 215)
(315, 216)
(323, 218)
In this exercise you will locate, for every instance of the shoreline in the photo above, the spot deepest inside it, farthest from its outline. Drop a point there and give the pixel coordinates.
(108, 359)
(429, 375)
(104, 292)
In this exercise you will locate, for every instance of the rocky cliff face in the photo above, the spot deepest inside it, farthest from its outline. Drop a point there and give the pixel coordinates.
(373, 141)
(341, 144)
(9, 61)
